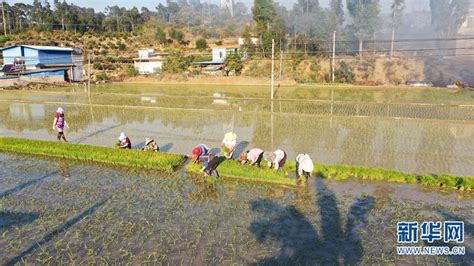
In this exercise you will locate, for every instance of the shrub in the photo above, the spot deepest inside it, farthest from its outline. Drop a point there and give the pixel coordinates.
(344, 73)
(132, 71)
(201, 44)
(101, 76)
(176, 63)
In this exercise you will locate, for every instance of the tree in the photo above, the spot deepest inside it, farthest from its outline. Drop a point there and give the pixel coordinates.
(160, 35)
(448, 15)
(268, 24)
(337, 8)
(365, 16)
(176, 34)
(233, 62)
(201, 44)
(176, 63)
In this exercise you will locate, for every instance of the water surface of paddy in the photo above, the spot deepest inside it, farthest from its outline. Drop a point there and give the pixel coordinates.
(64, 212)
(412, 145)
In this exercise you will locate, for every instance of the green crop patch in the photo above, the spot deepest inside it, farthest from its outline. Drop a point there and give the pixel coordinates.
(234, 169)
(343, 172)
(134, 158)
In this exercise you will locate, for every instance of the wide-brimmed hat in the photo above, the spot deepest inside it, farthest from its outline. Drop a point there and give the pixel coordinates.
(230, 136)
(307, 165)
(148, 140)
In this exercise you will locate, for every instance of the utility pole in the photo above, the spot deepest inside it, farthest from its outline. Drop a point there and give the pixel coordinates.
(333, 65)
(89, 78)
(273, 67)
(3, 21)
(281, 64)
(391, 46)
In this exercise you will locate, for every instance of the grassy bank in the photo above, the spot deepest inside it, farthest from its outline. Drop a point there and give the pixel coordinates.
(161, 161)
(234, 169)
(343, 172)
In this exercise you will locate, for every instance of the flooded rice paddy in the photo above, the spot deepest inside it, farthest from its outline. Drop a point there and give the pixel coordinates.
(60, 212)
(366, 127)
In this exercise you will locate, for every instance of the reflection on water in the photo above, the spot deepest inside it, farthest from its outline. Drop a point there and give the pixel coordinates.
(421, 146)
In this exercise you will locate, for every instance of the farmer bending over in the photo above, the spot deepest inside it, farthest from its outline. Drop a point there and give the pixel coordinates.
(124, 141)
(304, 165)
(228, 144)
(59, 123)
(200, 153)
(210, 166)
(254, 156)
(276, 159)
(151, 145)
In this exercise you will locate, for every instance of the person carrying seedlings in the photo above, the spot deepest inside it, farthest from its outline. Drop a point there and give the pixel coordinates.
(228, 144)
(124, 142)
(151, 145)
(304, 165)
(59, 123)
(200, 153)
(254, 156)
(210, 166)
(276, 159)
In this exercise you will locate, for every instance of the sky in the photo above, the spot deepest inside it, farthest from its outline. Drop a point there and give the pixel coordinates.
(99, 5)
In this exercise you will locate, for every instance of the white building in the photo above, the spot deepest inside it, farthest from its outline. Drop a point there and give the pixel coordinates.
(149, 62)
(219, 53)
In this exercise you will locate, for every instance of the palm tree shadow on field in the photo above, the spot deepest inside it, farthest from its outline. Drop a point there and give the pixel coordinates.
(9, 219)
(300, 242)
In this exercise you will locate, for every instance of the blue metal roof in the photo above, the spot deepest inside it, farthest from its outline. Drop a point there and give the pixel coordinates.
(42, 48)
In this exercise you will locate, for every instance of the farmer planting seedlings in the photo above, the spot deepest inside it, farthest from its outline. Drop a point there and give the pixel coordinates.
(151, 145)
(253, 156)
(228, 144)
(276, 159)
(200, 153)
(304, 165)
(124, 142)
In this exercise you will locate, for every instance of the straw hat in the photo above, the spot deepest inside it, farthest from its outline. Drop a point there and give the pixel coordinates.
(147, 141)
(230, 136)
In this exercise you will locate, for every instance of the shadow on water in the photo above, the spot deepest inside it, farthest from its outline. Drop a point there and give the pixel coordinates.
(215, 151)
(240, 148)
(8, 218)
(26, 184)
(138, 146)
(167, 147)
(61, 229)
(468, 230)
(95, 133)
(300, 241)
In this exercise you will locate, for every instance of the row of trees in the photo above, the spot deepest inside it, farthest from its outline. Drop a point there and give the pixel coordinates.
(60, 15)
(308, 26)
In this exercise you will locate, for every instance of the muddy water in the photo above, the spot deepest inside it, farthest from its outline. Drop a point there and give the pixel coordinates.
(62, 212)
(411, 145)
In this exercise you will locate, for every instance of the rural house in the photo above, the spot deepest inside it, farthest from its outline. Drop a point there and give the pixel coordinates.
(148, 61)
(42, 63)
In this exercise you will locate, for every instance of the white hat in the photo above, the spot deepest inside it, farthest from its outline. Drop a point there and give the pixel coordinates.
(307, 165)
(122, 136)
(148, 140)
(60, 110)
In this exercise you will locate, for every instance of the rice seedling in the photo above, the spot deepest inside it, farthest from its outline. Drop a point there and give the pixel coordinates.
(234, 169)
(161, 161)
(344, 172)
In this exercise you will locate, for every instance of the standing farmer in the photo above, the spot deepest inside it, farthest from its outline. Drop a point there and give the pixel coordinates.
(228, 144)
(276, 159)
(304, 165)
(59, 123)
